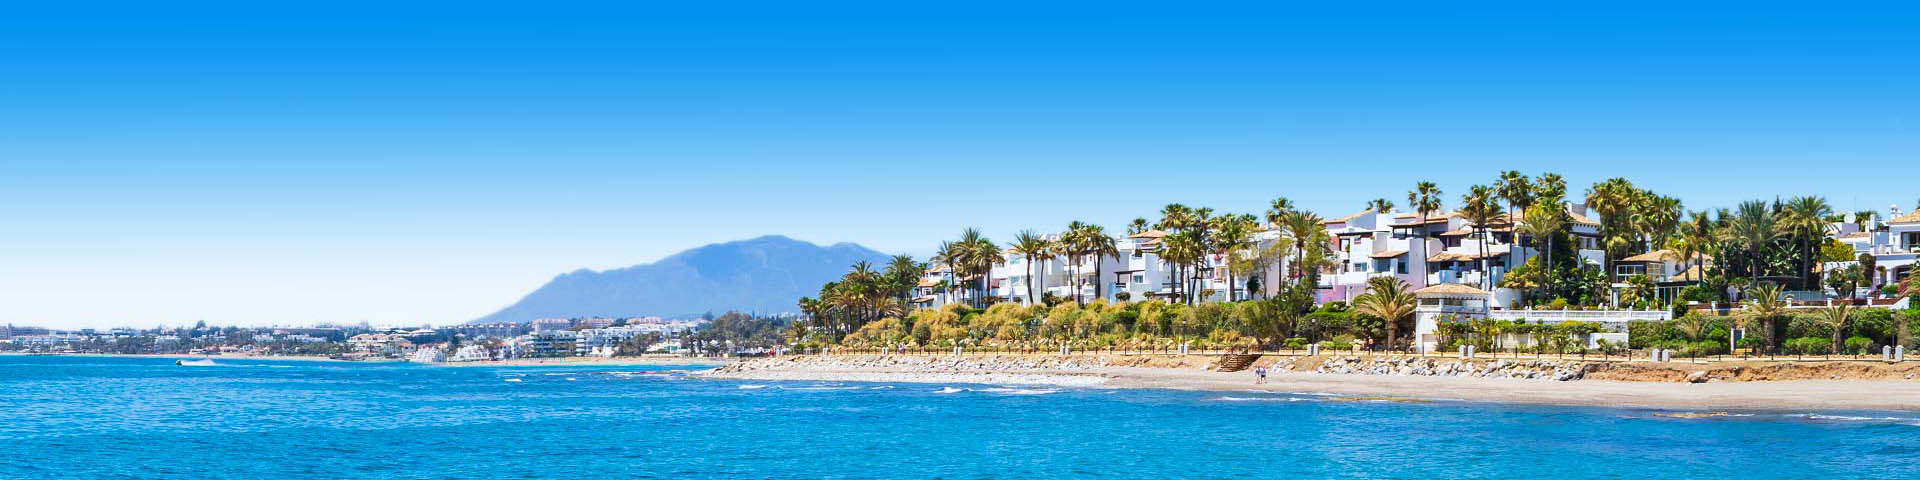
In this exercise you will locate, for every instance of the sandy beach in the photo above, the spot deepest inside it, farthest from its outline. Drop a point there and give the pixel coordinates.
(594, 361)
(1191, 374)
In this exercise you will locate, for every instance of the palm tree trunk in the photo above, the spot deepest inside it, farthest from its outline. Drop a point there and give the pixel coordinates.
(1029, 281)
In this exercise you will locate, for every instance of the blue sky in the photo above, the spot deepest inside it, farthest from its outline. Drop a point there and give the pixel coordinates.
(401, 164)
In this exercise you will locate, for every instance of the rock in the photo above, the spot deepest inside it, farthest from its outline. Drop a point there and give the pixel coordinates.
(1698, 376)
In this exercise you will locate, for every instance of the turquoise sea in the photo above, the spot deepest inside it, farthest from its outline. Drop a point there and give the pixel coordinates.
(148, 418)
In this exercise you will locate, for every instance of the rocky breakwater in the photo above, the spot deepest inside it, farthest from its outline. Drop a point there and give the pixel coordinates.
(1004, 370)
(1433, 367)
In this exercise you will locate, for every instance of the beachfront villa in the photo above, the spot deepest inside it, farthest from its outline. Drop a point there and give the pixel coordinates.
(1441, 248)
(1894, 244)
(1452, 302)
(1666, 269)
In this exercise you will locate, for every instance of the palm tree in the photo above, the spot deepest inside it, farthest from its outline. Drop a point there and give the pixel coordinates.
(1835, 317)
(1389, 299)
(1518, 192)
(1424, 199)
(1697, 235)
(1234, 232)
(1481, 207)
(1095, 242)
(1181, 249)
(982, 254)
(1139, 225)
(950, 255)
(1613, 199)
(1304, 231)
(1765, 305)
(904, 274)
(1754, 227)
(1380, 205)
(1031, 247)
(1543, 223)
(1806, 218)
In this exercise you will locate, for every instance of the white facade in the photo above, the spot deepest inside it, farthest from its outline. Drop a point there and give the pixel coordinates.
(1442, 248)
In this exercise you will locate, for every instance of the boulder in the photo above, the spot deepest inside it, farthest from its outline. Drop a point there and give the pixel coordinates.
(1698, 376)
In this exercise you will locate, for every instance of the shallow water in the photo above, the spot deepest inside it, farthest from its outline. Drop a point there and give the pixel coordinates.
(148, 418)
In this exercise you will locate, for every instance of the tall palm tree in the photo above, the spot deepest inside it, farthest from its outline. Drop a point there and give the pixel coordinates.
(1806, 218)
(1031, 247)
(981, 256)
(1234, 232)
(1550, 188)
(1698, 235)
(1390, 299)
(1544, 222)
(1073, 245)
(1518, 192)
(1835, 318)
(904, 273)
(1138, 226)
(1100, 246)
(1181, 249)
(1424, 199)
(949, 256)
(1613, 199)
(1755, 227)
(1481, 207)
(1304, 231)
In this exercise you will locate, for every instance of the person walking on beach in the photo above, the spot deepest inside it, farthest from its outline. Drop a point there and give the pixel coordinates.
(1259, 375)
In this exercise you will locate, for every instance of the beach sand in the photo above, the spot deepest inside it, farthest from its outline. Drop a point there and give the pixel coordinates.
(1191, 374)
(594, 362)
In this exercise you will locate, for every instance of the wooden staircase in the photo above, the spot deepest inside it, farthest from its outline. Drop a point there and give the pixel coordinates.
(1234, 362)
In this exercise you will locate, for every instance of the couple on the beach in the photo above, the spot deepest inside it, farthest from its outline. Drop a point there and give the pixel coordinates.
(1259, 375)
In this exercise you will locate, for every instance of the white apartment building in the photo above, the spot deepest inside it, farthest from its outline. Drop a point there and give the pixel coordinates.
(1442, 248)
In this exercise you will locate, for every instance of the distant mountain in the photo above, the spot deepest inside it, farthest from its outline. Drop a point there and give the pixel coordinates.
(765, 274)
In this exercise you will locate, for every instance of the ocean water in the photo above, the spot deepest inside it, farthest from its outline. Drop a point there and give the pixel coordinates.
(147, 418)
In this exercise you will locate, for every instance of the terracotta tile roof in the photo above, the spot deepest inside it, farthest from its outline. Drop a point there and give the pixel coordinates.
(928, 283)
(1155, 233)
(1910, 217)
(1347, 218)
(1450, 289)
(1856, 235)
(1581, 219)
(1461, 232)
(1653, 256)
(1449, 257)
(1389, 254)
(1691, 275)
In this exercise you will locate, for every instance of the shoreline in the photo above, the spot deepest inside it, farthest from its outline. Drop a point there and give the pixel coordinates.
(188, 356)
(1188, 374)
(589, 362)
(518, 362)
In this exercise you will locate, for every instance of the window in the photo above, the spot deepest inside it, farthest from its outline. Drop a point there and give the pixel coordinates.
(1400, 267)
(1360, 266)
(1137, 278)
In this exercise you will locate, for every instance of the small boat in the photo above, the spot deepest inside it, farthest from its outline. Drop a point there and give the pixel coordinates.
(194, 363)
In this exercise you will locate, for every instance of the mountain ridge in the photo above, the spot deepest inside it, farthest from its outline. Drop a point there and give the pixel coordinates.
(766, 274)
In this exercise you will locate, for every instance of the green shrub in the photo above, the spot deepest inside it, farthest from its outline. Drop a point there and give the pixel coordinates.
(1858, 345)
(1808, 346)
(1296, 343)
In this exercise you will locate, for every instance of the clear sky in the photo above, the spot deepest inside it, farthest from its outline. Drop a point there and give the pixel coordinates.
(413, 162)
